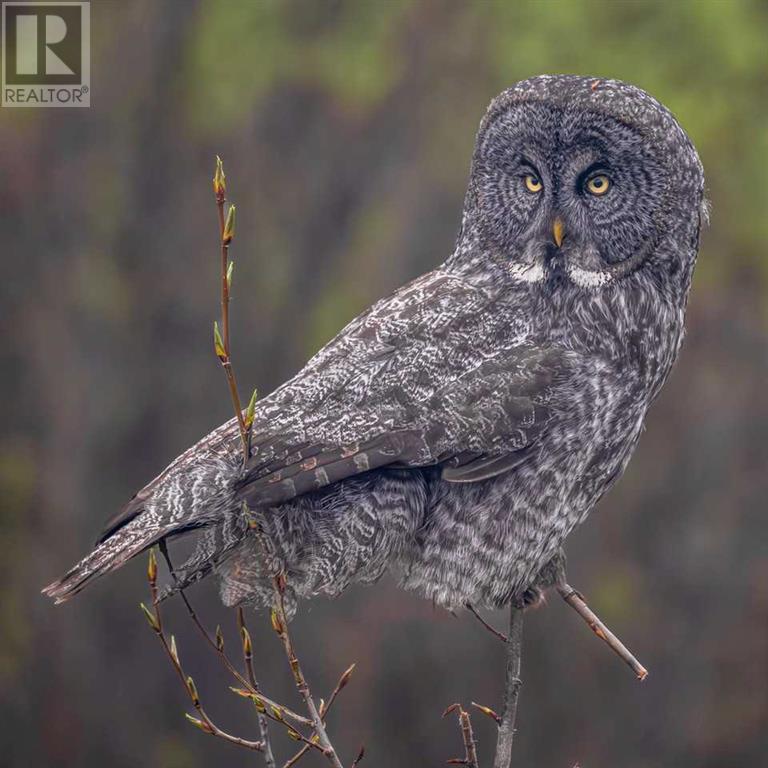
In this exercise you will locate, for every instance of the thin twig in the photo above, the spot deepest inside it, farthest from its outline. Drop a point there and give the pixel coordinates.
(577, 602)
(503, 758)
(280, 625)
(273, 705)
(226, 232)
(295, 759)
(340, 685)
(250, 685)
(267, 709)
(245, 423)
(245, 636)
(277, 714)
(467, 737)
(325, 708)
(500, 635)
(359, 758)
(199, 624)
(155, 619)
(467, 734)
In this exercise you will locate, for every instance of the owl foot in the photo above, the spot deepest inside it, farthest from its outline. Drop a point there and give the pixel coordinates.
(533, 597)
(551, 575)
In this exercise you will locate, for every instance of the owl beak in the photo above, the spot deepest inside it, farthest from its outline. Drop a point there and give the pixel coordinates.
(558, 231)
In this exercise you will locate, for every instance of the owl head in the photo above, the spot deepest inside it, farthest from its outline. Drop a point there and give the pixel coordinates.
(583, 182)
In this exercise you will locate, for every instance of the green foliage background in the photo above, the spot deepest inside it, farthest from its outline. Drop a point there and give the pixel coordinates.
(346, 129)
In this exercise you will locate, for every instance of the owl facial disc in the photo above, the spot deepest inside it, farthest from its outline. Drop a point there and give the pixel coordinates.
(579, 185)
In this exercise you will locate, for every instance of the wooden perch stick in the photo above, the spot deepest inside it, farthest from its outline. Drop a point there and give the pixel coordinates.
(512, 684)
(573, 598)
(577, 602)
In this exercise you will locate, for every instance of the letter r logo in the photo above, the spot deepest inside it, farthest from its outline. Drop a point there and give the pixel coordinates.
(27, 44)
(42, 43)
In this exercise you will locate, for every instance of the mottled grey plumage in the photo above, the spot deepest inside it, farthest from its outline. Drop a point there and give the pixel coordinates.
(458, 430)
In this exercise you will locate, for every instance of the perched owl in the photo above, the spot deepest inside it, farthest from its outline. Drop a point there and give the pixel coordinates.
(458, 430)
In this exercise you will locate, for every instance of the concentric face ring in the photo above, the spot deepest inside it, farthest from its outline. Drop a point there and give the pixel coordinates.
(537, 163)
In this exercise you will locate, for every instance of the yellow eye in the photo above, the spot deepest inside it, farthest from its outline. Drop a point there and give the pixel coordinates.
(598, 185)
(533, 183)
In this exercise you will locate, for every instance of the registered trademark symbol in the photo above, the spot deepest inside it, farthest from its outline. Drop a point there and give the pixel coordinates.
(84, 89)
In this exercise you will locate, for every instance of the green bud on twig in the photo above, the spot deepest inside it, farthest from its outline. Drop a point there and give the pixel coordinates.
(277, 625)
(230, 270)
(229, 227)
(192, 688)
(151, 618)
(219, 180)
(345, 677)
(293, 734)
(152, 568)
(218, 343)
(250, 411)
(488, 712)
(174, 652)
(198, 723)
(246, 694)
(247, 649)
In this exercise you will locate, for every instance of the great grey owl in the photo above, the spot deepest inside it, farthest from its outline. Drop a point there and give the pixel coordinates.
(458, 430)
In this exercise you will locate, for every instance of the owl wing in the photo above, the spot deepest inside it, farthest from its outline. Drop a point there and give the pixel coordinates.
(405, 386)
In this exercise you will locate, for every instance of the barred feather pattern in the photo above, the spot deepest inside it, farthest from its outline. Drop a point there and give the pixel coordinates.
(327, 540)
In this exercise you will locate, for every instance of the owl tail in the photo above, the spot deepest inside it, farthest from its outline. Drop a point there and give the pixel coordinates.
(113, 552)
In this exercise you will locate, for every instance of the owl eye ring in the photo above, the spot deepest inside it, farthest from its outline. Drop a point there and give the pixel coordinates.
(598, 185)
(533, 183)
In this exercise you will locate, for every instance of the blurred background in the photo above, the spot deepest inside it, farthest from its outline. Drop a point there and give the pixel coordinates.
(346, 129)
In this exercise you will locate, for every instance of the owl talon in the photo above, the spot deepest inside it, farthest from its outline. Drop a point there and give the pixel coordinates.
(533, 597)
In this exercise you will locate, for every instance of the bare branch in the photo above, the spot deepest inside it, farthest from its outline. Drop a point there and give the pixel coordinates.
(212, 641)
(467, 736)
(470, 746)
(267, 709)
(245, 423)
(324, 709)
(359, 758)
(223, 352)
(155, 619)
(269, 758)
(280, 625)
(495, 632)
(577, 602)
(503, 758)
